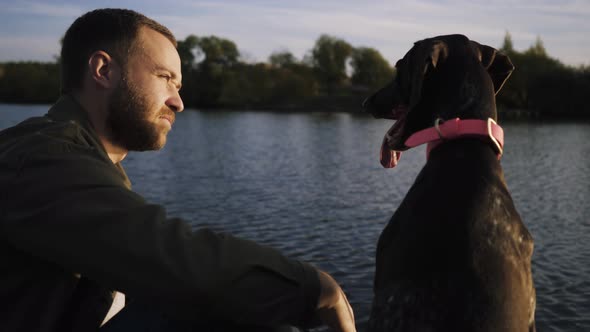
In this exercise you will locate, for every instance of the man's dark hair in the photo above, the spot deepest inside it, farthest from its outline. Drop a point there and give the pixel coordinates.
(111, 30)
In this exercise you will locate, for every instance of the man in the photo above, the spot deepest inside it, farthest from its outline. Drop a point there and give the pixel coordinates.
(72, 231)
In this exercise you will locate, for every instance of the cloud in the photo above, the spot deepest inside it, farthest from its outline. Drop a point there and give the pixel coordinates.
(260, 27)
(42, 9)
(392, 27)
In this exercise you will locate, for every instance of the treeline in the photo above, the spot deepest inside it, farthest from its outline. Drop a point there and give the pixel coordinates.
(331, 76)
(334, 75)
(543, 86)
(29, 82)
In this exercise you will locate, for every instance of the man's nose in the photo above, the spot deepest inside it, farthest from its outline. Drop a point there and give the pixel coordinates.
(175, 103)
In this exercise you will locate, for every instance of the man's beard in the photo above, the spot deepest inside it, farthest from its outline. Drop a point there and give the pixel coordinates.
(128, 122)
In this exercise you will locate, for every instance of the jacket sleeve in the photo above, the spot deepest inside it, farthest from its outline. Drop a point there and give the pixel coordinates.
(71, 208)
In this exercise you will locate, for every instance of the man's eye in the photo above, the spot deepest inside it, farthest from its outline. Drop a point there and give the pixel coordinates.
(166, 77)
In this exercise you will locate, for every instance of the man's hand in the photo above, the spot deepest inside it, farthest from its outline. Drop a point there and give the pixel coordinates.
(333, 307)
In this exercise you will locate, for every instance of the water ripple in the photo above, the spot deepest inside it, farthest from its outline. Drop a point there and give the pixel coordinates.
(311, 186)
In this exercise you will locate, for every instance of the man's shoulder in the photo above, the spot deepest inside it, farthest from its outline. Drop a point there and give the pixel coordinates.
(42, 135)
(56, 151)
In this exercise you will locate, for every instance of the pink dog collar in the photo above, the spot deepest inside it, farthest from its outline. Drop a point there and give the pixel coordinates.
(455, 128)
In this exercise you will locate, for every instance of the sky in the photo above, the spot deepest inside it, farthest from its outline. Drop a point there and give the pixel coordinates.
(31, 30)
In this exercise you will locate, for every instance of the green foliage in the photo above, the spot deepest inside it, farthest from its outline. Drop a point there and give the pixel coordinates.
(543, 85)
(215, 50)
(186, 50)
(537, 49)
(207, 64)
(29, 82)
(214, 76)
(370, 69)
(282, 59)
(262, 86)
(329, 56)
(507, 45)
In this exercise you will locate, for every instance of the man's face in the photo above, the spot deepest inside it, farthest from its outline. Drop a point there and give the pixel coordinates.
(142, 108)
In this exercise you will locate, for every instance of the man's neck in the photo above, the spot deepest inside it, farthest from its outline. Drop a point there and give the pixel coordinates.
(97, 111)
(116, 153)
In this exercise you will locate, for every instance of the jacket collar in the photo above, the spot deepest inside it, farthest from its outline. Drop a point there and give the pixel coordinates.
(68, 109)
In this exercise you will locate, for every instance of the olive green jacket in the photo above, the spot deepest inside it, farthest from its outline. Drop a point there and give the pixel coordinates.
(72, 231)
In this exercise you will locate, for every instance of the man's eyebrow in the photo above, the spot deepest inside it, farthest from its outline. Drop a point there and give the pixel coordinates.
(172, 74)
(161, 68)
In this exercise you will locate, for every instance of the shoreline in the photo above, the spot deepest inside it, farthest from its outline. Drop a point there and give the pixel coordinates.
(343, 105)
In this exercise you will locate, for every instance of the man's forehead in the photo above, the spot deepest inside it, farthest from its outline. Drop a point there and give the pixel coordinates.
(159, 50)
(154, 41)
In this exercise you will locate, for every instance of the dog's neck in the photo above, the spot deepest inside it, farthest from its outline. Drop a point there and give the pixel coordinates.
(472, 153)
(461, 90)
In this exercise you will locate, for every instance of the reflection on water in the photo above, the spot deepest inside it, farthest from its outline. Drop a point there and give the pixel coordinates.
(311, 185)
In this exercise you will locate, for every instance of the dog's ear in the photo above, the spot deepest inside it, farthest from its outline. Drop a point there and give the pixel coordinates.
(438, 52)
(426, 57)
(497, 64)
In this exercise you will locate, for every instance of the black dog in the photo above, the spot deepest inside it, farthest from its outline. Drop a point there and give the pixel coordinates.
(455, 256)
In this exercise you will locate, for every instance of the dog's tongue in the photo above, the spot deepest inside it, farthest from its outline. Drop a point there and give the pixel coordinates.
(389, 157)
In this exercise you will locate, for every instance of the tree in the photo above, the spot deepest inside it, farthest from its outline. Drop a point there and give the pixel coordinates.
(537, 49)
(206, 65)
(189, 66)
(544, 85)
(282, 59)
(507, 46)
(370, 69)
(186, 49)
(29, 82)
(329, 56)
(217, 50)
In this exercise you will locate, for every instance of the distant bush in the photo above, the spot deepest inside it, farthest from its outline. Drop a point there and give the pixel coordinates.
(544, 85)
(29, 82)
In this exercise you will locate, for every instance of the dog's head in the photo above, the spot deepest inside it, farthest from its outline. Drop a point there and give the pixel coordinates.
(430, 64)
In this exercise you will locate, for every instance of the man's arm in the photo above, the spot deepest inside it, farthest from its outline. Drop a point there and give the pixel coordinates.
(71, 209)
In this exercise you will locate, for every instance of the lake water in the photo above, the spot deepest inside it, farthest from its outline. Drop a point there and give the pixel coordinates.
(310, 184)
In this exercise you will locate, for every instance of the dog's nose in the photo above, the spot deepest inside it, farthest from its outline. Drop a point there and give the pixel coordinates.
(373, 107)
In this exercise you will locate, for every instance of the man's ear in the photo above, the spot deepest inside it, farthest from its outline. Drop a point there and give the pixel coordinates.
(104, 70)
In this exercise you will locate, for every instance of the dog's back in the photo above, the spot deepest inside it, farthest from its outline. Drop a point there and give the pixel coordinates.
(455, 255)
